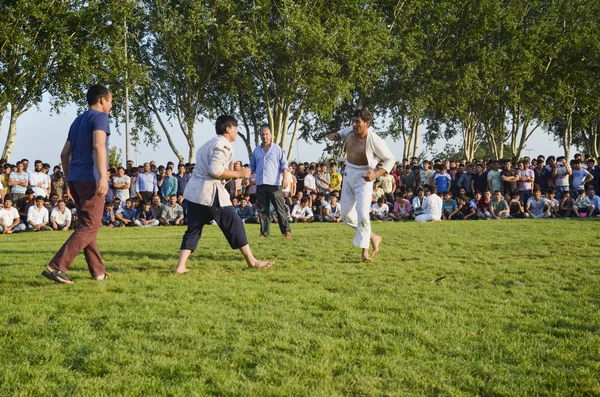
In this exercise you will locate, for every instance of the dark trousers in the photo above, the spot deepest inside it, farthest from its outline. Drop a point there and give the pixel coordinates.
(89, 214)
(226, 217)
(266, 194)
(147, 196)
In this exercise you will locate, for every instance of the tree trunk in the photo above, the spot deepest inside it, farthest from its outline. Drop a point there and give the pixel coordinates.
(165, 130)
(416, 135)
(293, 140)
(469, 133)
(189, 136)
(567, 140)
(12, 133)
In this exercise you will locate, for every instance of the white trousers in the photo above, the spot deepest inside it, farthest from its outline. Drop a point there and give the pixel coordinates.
(425, 218)
(356, 203)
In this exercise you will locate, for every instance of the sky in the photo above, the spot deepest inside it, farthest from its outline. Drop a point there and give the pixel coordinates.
(41, 135)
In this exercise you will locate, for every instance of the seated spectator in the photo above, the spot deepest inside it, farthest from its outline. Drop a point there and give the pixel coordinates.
(401, 210)
(126, 215)
(380, 211)
(10, 220)
(583, 204)
(333, 211)
(37, 216)
(157, 206)
(449, 206)
(483, 206)
(417, 202)
(172, 213)
(53, 201)
(464, 211)
(567, 206)
(245, 211)
(181, 201)
(498, 206)
(314, 203)
(432, 204)
(553, 202)
(146, 216)
(537, 206)
(24, 204)
(302, 212)
(61, 217)
(594, 199)
(477, 196)
(108, 216)
(58, 185)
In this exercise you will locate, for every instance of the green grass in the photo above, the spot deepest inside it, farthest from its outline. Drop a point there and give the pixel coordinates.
(516, 314)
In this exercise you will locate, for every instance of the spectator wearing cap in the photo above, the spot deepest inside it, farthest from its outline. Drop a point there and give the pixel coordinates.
(38, 181)
(18, 182)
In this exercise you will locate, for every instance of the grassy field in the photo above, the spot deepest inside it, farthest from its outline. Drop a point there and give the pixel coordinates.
(461, 308)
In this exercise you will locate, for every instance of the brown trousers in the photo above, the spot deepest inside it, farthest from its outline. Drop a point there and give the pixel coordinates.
(89, 214)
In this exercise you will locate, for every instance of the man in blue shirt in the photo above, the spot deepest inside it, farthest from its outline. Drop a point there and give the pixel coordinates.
(268, 161)
(85, 164)
(147, 185)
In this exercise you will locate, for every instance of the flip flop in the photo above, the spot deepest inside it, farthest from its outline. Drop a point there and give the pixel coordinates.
(58, 276)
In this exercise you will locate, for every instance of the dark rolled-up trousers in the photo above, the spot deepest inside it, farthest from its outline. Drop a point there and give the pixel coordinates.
(227, 219)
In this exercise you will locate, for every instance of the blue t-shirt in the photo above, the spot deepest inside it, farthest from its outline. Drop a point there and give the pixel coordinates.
(442, 181)
(449, 206)
(83, 166)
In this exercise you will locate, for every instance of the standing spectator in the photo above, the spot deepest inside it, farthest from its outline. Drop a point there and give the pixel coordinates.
(4, 177)
(580, 176)
(37, 216)
(322, 179)
(146, 184)
(426, 174)
(442, 180)
(182, 178)
(169, 186)
(561, 173)
(61, 216)
(478, 179)
(269, 163)
(38, 180)
(542, 176)
(509, 178)
(464, 180)
(59, 184)
(526, 179)
(494, 180)
(388, 185)
(121, 184)
(310, 184)
(10, 221)
(85, 162)
(18, 182)
(300, 175)
(335, 178)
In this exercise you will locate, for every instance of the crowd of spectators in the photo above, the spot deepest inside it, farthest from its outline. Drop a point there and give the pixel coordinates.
(151, 195)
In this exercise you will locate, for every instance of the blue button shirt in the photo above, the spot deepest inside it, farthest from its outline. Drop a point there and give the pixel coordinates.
(146, 182)
(268, 166)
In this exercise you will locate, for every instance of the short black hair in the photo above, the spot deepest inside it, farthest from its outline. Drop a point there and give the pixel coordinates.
(364, 115)
(223, 122)
(95, 92)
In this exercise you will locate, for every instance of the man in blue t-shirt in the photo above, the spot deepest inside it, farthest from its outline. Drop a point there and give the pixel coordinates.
(85, 164)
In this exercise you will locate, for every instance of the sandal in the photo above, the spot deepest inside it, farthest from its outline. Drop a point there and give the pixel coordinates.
(58, 276)
(101, 279)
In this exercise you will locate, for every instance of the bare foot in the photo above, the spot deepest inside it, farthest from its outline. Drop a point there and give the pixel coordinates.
(366, 259)
(288, 235)
(262, 264)
(375, 241)
(181, 271)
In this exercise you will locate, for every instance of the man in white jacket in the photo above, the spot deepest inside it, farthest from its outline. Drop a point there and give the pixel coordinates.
(207, 199)
(365, 150)
(432, 205)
